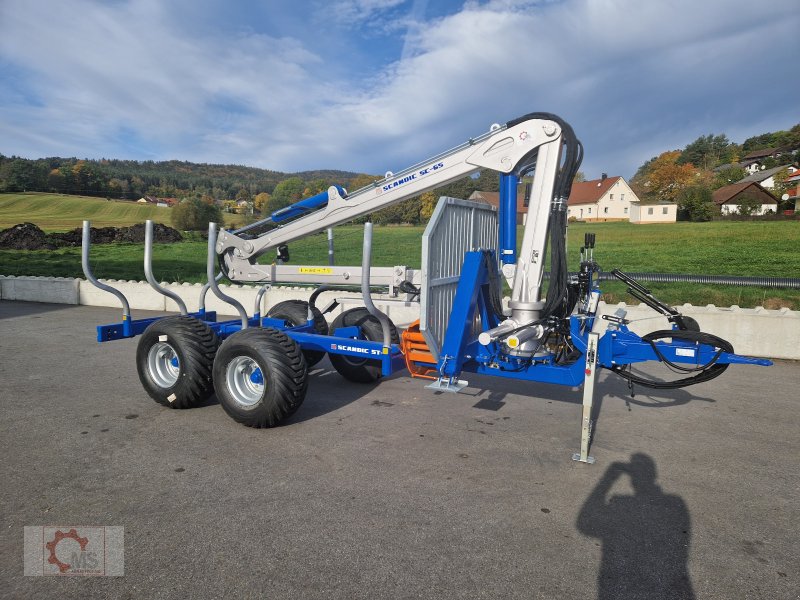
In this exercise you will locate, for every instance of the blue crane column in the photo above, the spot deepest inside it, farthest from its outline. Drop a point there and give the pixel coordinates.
(508, 219)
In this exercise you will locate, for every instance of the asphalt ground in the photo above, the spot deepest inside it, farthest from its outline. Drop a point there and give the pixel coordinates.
(395, 491)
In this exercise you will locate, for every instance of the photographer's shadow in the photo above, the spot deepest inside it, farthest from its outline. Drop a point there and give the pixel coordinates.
(645, 536)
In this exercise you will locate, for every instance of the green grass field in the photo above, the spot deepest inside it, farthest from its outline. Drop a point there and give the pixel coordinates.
(57, 212)
(768, 248)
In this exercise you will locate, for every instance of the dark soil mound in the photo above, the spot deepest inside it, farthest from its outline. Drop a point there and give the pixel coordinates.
(161, 234)
(25, 236)
(106, 235)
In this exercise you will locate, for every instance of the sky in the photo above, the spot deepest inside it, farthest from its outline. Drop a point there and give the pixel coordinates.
(378, 85)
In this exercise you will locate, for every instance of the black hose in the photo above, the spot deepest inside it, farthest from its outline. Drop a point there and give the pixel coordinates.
(762, 282)
(705, 372)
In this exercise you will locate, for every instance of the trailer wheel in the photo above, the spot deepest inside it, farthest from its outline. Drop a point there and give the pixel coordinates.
(174, 359)
(360, 370)
(296, 313)
(260, 376)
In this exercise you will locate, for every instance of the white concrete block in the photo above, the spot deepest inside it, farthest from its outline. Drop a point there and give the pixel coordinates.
(139, 294)
(188, 292)
(752, 331)
(58, 290)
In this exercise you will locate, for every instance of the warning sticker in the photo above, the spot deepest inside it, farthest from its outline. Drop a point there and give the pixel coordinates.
(684, 351)
(315, 271)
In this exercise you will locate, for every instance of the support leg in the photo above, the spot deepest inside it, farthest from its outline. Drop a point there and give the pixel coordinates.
(588, 399)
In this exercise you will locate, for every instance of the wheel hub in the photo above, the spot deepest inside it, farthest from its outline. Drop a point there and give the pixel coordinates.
(163, 365)
(245, 380)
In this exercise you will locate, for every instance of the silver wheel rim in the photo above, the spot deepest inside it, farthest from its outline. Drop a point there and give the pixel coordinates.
(245, 380)
(163, 365)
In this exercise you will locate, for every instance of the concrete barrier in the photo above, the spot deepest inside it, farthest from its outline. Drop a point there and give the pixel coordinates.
(752, 331)
(58, 290)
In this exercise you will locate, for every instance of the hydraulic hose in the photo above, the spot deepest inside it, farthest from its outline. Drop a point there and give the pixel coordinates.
(705, 372)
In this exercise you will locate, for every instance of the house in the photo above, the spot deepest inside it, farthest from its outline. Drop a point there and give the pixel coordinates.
(243, 207)
(657, 212)
(766, 177)
(610, 199)
(729, 198)
(159, 202)
(493, 198)
(793, 194)
(753, 162)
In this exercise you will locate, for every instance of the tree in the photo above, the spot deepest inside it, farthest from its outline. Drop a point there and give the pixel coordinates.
(488, 181)
(728, 176)
(360, 181)
(194, 215)
(781, 187)
(243, 194)
(748, 205)
(56, 181)
(708, 151)
(261, 200)
(285, 193)
(314, 187)
(427, 203)
(663, 178)
(695, 203)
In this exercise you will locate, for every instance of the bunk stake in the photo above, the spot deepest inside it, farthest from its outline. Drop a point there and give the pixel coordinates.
(588, 399)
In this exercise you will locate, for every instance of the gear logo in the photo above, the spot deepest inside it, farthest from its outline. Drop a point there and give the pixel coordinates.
(74, 550)
(59, 536)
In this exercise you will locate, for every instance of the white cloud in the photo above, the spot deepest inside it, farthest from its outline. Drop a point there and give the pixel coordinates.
(634, 78)
(353, 13)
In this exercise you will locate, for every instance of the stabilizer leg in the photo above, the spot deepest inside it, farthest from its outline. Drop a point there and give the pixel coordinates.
(588, 399)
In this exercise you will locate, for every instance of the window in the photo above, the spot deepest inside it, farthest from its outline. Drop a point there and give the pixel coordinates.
(622, 196)
(611, 196)
(625, 210)
(590, 210)
(605, 210)
(650, 211)
(665, 210)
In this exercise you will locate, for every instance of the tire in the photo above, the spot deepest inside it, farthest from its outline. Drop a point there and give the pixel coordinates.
(260, 376)
(174, 359)
(360, 370)
(296, 313)
(691, 324)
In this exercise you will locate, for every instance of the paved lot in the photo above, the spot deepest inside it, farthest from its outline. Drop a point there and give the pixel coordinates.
(393, 491)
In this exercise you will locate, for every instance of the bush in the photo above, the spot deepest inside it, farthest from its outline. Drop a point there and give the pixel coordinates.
(695, 203)
(195, 215)
(749, 205)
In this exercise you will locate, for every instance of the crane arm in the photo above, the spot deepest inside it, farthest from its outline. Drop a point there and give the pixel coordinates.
(509, 148)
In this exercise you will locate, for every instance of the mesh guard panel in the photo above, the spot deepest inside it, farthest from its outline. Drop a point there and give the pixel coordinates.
(456, 226)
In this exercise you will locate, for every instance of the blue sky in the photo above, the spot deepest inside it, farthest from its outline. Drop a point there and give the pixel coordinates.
(377, 85)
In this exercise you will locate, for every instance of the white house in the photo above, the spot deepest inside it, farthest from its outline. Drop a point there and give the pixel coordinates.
(729, 198)
(766, 178)
(612, 199)
(662, 212)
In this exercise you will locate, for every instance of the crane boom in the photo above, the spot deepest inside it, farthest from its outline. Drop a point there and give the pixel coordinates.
(509, 148)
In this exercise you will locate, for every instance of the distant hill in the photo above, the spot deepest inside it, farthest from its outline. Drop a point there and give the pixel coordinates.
(56, 212)
(131, 179)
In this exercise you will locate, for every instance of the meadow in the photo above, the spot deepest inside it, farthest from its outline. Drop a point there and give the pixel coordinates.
(756, 248)
(59, 212)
